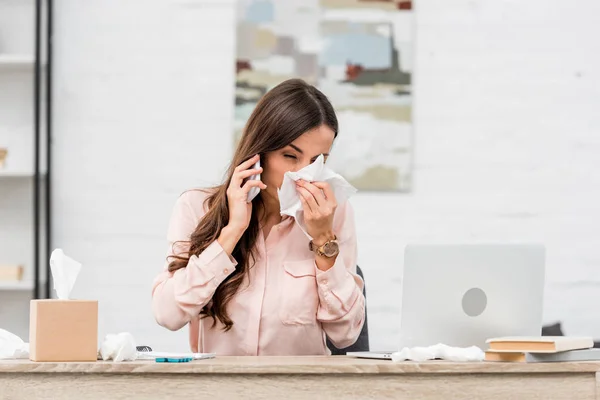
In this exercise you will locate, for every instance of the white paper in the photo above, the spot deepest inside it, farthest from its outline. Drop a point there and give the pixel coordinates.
(152, 355)
(12, 346)
(289, 199)
(441, 352)
(64, 273)
(118, 347)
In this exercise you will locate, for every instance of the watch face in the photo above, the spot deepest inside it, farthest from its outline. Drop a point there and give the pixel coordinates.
(330, 249)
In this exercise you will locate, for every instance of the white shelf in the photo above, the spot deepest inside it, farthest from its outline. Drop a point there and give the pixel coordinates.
(16, 285)
(15, 174)
(16, 61)
(18, 174)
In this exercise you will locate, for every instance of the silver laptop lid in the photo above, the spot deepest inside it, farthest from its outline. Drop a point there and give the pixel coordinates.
(461, 295)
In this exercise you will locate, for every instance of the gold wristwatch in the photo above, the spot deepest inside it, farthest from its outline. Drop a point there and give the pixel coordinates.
(328, 249)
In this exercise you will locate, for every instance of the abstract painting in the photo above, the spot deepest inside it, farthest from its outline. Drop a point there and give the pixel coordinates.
(359, 53)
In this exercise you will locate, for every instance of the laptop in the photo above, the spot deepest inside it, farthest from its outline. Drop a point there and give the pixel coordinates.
(462, 295)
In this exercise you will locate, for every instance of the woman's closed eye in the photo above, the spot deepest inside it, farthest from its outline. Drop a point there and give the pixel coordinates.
(293, 157)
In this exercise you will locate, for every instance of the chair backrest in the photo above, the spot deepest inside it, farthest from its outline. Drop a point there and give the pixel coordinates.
(362, 343)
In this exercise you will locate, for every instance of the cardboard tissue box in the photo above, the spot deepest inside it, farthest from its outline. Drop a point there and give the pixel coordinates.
(63, 329)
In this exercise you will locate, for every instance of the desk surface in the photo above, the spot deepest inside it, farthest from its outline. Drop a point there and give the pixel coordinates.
(295, 365)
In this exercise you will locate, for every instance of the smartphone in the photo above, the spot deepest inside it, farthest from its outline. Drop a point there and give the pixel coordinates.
(254, 191)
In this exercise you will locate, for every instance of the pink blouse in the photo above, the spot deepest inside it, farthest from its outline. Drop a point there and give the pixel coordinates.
(285, 306)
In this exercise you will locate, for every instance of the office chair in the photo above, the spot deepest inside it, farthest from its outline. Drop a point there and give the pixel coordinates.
(362, 343)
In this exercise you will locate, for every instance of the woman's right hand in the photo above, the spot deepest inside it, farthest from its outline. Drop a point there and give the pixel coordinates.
(240, 209)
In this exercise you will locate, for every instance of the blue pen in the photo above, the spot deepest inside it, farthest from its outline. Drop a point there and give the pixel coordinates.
(173, 360)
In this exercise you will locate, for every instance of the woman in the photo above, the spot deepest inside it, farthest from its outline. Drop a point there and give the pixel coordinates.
(246, 279)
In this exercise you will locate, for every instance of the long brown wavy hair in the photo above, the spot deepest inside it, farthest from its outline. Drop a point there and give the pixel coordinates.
(281, 116)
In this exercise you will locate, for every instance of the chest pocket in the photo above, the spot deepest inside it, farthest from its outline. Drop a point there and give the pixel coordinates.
(299, 295)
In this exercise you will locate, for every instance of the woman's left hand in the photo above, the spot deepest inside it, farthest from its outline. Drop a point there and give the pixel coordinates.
(319, 205)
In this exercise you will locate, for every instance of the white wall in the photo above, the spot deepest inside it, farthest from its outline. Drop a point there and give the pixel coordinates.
(142, 109)
(507, 145)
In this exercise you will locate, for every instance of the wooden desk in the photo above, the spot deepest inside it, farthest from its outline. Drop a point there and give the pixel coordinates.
(298, 378)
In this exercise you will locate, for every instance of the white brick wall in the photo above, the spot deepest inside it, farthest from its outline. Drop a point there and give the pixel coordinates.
(507, 145)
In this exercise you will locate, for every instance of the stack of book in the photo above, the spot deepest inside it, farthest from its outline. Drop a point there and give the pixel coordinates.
(11, 273)
(541, 349)
(3, 153)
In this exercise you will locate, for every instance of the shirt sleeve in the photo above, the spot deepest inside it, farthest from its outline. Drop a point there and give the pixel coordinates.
(179, 296)
(342, 303)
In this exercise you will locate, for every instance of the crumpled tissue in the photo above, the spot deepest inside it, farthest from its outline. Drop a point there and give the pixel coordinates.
(64, 273)
(439, 351)
(12, 346)
(289, 199)
(118, 347)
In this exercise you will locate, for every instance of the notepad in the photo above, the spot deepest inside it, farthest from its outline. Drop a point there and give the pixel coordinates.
(153, 355)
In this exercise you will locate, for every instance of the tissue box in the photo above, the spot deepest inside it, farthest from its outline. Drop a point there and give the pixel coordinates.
(63, 330)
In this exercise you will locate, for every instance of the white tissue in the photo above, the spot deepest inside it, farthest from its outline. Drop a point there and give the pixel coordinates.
(12, 346)
(118, 347)
(439, 351)
(64, 273)
(289, 199)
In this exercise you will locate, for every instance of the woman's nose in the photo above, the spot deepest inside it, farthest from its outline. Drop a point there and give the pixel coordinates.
(302, 164)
